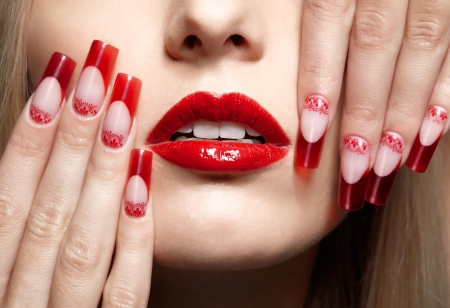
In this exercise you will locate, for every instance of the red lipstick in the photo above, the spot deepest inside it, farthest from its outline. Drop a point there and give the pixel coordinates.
(214, 155)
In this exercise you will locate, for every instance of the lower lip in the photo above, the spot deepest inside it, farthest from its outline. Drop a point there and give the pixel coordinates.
(217, 156)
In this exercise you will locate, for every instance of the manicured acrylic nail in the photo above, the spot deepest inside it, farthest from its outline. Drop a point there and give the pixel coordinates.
(52, 88)
(120, 113)
(430, 133)
(94, 79)
(138, 187)
(311, 135)
(387, 163)
(355, 160)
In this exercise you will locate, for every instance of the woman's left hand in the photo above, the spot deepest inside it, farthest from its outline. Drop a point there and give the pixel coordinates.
(398, 77)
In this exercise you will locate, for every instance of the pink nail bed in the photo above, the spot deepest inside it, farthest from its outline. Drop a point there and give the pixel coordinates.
(430, 133)
(311, 135)
(355, 160)
(384, 171)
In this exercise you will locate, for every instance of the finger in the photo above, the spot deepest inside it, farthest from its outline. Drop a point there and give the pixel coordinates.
(25, 158)
(85, 252)
(128, 284)
(424, 47)
(325, 31)
(58, 192)
(435, 122)
(375, 42)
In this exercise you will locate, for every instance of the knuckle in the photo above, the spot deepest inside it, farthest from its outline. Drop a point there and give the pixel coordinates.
(104, 171)
(47, 220)
(426, 30)
(373, 29)
(365, 115)
(27, 145)
(9, 214)
(120, 295)
(79, 255)
(75, 141)
(329, 8)
(403, 113)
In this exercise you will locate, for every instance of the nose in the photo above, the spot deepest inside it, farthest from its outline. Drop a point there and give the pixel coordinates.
(213, 29)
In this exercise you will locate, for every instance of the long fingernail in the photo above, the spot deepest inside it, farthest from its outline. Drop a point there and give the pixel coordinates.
(51, 90)
(355, 160)
(94, 79)
(430, 133)
(311, 135)
(138, 186)
(120, 113)
(387, 163)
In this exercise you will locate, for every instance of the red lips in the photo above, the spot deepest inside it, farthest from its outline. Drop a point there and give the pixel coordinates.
(212, 155)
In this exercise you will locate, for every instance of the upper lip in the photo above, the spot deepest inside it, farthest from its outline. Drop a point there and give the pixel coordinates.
(232, 107)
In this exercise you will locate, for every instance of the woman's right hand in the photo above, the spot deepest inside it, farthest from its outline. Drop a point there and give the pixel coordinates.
(62, 178)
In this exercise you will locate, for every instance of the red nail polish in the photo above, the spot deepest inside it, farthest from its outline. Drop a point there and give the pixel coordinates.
(384, 171)
(430, 133)
(311, 135)
(52, 88)
(138, 186)
(355, 160)
(121, 110)
(94, 79)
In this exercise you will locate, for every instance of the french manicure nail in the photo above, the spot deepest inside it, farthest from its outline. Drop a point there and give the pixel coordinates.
(387, 163)
(120, 113)
(430, 133)
(311, 135)
(94, 79)
(52, 88)
(355, 160)
(138, 186)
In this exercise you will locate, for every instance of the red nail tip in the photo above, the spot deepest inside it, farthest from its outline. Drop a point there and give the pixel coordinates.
(103, 56)
(127, 89)
(114, 141)
(307, 155)
(60, 67)
(379, 187)
(135, 209)
(141, 164)
(420, 156)
(351, 196)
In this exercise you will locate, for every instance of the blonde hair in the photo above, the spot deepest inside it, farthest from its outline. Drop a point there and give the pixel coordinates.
(394, 256)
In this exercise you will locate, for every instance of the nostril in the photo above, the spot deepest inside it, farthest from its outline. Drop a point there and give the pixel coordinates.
(237, 39)
(191, 41)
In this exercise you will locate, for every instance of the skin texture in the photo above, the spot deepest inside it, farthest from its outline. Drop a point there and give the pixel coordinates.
(208, 221)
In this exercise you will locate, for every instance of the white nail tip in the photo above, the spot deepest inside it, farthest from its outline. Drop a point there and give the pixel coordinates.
(206, 129)
(231, 130)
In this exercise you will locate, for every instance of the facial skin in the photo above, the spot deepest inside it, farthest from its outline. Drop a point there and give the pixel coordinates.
(208, 221)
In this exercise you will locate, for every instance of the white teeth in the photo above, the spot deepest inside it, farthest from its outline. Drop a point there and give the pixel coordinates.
(252, 132)
(181, 138)
(206, 129)
(245, 141)
(195, 139)
(231, 130)
(256, 141)
(186, 130)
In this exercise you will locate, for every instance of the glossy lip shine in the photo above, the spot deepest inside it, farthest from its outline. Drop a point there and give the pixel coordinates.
(213, 155)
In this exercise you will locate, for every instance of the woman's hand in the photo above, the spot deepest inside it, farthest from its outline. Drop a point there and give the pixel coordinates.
(62, 179)
(397, 92)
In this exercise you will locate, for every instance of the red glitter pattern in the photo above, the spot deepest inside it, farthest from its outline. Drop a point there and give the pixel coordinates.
(39, 116)
(135, 209)
(437, 115)
(84, 108)
(393, 142)
(356, 145)
(317, 104)
(112, 140)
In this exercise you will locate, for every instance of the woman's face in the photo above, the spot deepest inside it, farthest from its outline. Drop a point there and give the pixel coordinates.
(211, 219)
